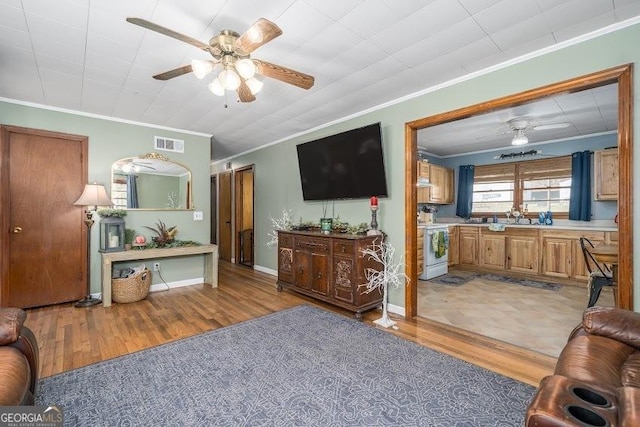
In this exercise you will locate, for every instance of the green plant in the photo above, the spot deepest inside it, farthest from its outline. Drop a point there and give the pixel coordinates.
(105, 212)
(129, 235)
(164, 234)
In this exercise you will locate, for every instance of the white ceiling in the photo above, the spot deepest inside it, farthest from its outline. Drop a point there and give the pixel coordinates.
(81, 55)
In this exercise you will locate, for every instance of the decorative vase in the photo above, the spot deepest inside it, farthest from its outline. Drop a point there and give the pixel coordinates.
(325, 225)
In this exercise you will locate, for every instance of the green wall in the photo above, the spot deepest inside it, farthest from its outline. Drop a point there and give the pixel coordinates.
(277, 182)
(110, 141)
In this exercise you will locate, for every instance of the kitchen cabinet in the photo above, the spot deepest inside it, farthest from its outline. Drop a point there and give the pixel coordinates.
(492, 249)
(562, 253)
(468, 245)
(449, 185)
(441, 180)
(327, 267)
(522, 251)
(605, 166)
(420, 246)
(454, 248)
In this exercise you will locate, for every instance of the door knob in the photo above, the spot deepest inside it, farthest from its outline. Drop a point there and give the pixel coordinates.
(17, 230)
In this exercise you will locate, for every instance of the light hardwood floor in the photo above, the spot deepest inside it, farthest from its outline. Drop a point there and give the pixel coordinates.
(72, 337)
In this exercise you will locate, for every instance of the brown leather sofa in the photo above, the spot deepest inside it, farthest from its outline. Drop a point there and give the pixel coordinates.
(18, 359)
(596, 381)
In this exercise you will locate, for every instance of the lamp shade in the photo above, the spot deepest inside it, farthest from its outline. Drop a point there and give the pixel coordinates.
(93, 195)
(519, 138)
(201, 68)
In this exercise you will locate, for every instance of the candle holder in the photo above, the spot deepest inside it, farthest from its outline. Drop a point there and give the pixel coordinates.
(374, 222)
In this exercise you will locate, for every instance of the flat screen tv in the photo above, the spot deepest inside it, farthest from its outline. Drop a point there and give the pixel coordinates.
(349, 165)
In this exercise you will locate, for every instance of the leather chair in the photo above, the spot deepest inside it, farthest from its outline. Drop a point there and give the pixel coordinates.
(19, 359)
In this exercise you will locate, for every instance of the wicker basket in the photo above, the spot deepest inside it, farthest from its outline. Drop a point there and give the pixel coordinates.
(131, 289)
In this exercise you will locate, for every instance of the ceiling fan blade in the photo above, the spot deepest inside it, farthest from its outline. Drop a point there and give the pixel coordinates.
(551, 126)
(173, 73)
(244, 93)
(284, 74)
(167, 32)
(263, 31)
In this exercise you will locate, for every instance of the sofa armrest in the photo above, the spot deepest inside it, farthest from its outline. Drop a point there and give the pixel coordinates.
(615, 323)
(11, 321)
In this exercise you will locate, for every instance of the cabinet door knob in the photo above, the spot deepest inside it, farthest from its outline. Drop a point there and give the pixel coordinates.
(319, 274)
(17, 230)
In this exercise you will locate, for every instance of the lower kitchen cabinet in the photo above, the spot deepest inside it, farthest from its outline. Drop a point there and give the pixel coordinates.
(454, 248)
(492, 249)
(522, 251)
(468, 239)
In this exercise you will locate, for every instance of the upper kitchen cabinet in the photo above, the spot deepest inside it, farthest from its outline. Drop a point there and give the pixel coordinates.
(605, 165)
(441, 180)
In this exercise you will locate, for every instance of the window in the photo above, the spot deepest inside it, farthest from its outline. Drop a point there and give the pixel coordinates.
(534, 186)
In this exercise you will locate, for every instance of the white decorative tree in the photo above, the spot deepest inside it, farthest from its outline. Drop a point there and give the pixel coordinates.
(390, 275)
(283, 223)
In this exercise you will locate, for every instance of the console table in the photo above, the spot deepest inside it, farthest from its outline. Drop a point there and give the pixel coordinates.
(108, 258)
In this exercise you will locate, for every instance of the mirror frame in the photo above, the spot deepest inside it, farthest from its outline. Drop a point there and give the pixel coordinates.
(623, 75)
(158, 156)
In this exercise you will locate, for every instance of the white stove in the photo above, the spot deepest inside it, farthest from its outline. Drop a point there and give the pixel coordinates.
(436, 251)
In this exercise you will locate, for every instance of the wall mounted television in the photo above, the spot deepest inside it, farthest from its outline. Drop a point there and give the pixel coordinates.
(348, 165)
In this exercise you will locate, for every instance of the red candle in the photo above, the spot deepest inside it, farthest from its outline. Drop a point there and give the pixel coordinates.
(374, 201)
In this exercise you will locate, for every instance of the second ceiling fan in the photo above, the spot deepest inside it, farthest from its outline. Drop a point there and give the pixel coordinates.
(232, 52)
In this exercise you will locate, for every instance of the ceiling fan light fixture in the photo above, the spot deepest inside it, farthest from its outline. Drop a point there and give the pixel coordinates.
(519, 138)
(216, 87)
(229, 79)
(201, 68)
(246, 68)
(255, 85)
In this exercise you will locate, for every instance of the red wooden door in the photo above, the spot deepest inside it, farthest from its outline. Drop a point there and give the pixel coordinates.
(44, 238)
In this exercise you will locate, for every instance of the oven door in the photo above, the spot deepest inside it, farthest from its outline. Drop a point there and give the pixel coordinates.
(436, 246)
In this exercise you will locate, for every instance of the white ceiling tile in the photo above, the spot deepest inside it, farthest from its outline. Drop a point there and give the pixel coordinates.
(505, 14)
(629, 10)
(62, 89)
(45, 30)
(11, 3)
(16, 38)
(132, 105)
(334, 10)
(482, 48)
(575, 11)
(108, 64)
(110, 48)
(301, 22)
(114, 27)
(13, 17)
(55, 63)
(19, 78)
(515, 35)
(126, 8)
(584, 27)
(475, 6)
(66, 12)
(102, 76)
(368, 18)
(99, 98)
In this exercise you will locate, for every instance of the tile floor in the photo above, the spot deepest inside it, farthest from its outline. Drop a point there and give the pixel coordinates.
(536, 319)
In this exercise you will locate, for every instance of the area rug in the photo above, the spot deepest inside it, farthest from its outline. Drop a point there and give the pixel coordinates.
(455, 279)
(299, 367)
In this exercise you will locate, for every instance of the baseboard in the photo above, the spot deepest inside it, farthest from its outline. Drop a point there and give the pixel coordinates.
(267, 270)
(177, 284)
(396, 309)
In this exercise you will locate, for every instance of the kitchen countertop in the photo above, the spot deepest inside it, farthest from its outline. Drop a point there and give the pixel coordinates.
(536, 226)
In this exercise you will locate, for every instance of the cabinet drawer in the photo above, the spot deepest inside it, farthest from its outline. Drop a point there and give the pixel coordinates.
(346, 247)
(285, 240)
(313, 245)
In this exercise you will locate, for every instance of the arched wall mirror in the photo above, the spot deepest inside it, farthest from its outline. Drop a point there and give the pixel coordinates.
(619, 78)
(151, 182)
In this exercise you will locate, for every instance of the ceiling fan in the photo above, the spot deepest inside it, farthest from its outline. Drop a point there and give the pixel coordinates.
(519, 125)
(232, 53)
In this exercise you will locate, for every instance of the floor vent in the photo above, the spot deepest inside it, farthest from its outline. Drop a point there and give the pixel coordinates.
(169, 144)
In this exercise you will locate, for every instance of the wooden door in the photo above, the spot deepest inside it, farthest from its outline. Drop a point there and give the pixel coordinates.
(224, 215)
(44, 246)
(243, 191)
(213, 192)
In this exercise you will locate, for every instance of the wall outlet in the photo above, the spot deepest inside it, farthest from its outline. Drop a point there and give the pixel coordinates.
(156, 266)
(198, 216)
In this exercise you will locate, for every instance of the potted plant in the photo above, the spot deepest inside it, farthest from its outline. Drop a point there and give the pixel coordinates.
(111, 212)
(129, 235)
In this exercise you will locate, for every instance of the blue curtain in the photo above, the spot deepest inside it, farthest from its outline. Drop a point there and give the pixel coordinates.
(132, 191)
(580, 202)
(465, 191)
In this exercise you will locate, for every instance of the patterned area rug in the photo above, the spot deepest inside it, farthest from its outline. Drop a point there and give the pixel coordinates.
(456, 279)
(299, 367)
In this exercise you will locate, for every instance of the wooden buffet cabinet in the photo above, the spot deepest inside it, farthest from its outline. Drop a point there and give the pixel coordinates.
(327, 267)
